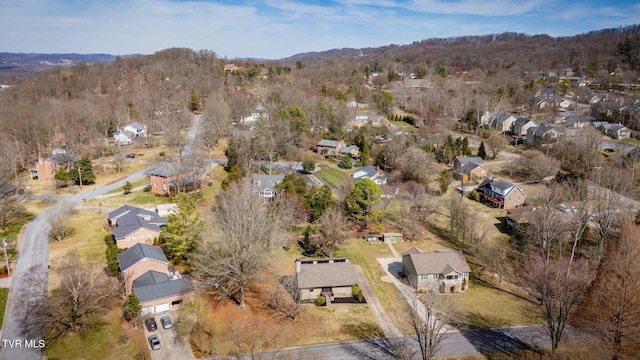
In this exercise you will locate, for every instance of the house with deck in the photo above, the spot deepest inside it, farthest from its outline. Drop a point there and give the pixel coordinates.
(501, 194)
(330, 147)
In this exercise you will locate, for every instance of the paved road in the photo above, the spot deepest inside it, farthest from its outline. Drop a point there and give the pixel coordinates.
(32, 264)
(455, 344)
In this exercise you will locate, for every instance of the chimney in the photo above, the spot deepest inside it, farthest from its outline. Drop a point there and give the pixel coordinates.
(298, 265)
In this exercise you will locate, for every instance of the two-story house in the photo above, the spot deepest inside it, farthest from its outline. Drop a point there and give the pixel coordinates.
(501, 194)
(131, 225)
(145, 270)
(444, 271)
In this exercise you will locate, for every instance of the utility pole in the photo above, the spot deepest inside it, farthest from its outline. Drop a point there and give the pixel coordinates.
(79, 177)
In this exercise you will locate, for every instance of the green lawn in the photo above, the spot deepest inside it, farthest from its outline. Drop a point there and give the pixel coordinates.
(333, 176)
(4, 294)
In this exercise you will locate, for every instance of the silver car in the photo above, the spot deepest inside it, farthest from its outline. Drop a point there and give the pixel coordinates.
(154, 342)
(166, 322)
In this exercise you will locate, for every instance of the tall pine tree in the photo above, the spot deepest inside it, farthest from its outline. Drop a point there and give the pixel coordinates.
(482, 153)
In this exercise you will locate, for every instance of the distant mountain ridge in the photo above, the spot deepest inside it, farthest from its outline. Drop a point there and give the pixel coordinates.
(15, 66)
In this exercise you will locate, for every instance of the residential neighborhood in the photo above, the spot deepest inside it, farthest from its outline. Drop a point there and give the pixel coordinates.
(379, 203)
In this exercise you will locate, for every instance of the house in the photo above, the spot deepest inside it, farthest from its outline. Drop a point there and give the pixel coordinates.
(369, 172)
(501, 194)
(146, 274)
(256, 114)
(352, 150)
(392, 237)
(173, 178)
(264, 185)
(518, 218)
(468, 168)
(128, 134)
(617, 131)
(389, 191)
(521, 125)
(330, 147)
(139, 259)
(332, 278)
(46, 168)
(544, 134)
(444, 271)
(131, 225)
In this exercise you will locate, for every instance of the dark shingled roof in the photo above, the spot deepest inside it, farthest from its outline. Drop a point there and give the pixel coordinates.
(149, 278)
(329, 143)
(130, 218)
(139, 252)
(439, 262)
(325, 274)
(60, 159)
(163, 289)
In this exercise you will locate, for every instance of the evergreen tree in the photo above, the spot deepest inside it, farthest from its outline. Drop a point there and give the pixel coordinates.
(466, 151)
(131, 307)
(127, 188)
(83, 171)
(444, 180)
(362, 202)
(112, 253)
(346, 162)
(318, 200)
(194, 103)
(231, 152)
(180, 233)
(363, 145)
(62, 178)
(482, 153)
(293, 184)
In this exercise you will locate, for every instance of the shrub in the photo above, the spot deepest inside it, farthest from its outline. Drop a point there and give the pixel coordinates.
(464, 284)
(474, 195)
(452, 289)
(357, 293)
(161, 154)
(442, 287)
(321, 301)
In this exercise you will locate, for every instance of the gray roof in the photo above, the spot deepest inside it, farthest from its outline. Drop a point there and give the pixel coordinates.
(139, 252)
(7, 188)
(329, 143)
(130, 218)
(262, 182)
(500, 184)
(60, 159)
(162, 289)
(326, 274)
(438, 262)
(149, 278)
(466, 160)
(348, 149)
(173, 169)
(368, 171)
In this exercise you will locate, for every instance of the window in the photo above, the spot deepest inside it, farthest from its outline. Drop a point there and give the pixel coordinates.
(452, 277)
(423, 276)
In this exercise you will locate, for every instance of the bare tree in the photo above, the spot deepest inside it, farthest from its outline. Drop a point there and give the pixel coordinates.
(428, 318)
(60, 222)
(606, 212)
(495, 144)
(79, 300)
(560, 285)
(416, 164)
(11, 209)
(332, 226)
(238, 249)
(611, 311)
(546, 223)
(535, 166)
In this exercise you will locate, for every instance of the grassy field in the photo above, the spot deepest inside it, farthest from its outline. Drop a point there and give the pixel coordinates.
(334, 176)
(4, 294)
(110, 341)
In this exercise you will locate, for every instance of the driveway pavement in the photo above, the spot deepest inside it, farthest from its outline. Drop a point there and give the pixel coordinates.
(384, 321)
(171, 346)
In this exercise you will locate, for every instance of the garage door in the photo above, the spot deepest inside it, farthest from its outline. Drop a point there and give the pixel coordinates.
(147, 310)
(163, 307)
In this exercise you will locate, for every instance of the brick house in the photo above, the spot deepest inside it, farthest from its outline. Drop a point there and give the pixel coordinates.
(146, 274)
(501, 194)
(131, 225)
(438, 270)
(332, 278)
(173, 178)
(46, 168)
(468, 168)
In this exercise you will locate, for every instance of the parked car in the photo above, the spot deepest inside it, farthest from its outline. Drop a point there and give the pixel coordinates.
(166, 322)
(154, 342)
(151, 324)
(130, 156)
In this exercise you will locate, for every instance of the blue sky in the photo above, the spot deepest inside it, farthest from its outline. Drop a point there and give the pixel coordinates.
(280, 28)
